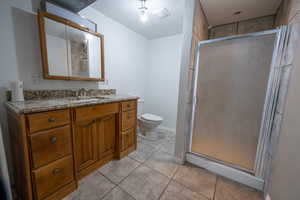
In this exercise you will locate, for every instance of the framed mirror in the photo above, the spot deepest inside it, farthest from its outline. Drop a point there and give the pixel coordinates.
(70, 51)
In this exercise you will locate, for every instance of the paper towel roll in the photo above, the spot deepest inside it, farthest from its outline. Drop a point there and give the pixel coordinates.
(17, 91)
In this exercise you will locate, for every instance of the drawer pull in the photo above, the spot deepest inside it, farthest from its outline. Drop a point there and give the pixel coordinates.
(56, 171)
(53, 139)
(51, 119)
(128, 105)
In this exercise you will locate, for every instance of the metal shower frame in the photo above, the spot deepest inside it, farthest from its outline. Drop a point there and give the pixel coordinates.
(262, 141)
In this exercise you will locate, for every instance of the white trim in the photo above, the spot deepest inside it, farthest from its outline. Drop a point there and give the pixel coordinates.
(182, 127)
(248, 35)
(4, 172)
(228, 172)
(265, 127)
(259, 157)
(167, 129)
(178, 160)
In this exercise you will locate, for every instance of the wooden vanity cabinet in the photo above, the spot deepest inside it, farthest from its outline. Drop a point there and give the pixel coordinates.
(52, 150)
(128, 121)
(42, 153)
(94, 132)
(106, 138)
(85, 147)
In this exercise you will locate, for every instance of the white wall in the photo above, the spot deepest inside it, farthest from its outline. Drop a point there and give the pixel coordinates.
(57, 55)
(126, 54)
(8, 71)
(163, 79)
(147, 68)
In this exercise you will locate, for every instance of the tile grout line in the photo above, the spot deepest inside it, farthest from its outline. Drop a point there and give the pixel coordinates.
(200, 194)
(166, 186)
(171, 179)
(146, 158)
(118, 184)
(127, 177)
(99, 173)
(127, 193)
(140, 164)
(108, 192)
(144, 164)
(217, 179)
(129, 174)
(186, 187)
(161, 172)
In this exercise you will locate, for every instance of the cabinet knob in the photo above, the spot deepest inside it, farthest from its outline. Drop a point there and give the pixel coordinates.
(51, 119)
(128, 105)
(56, 171)
(53, 139)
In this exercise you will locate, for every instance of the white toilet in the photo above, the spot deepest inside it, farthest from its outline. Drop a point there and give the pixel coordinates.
(147, 123)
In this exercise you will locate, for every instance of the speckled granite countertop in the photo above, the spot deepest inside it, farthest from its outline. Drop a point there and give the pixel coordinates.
(32, 106)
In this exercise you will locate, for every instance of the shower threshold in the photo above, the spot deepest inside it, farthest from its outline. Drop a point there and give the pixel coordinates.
(234, 173)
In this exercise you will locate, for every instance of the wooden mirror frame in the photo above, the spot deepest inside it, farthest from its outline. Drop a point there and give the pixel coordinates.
(44, 53)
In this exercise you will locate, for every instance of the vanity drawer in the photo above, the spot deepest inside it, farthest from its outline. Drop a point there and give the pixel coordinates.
(50, 145)
(127, 139)
(90, 112)
(128, 119)
(46, 120)
(128, 105)
(52, 177)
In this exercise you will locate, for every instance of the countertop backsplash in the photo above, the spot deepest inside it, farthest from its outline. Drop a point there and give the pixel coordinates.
(56, 94)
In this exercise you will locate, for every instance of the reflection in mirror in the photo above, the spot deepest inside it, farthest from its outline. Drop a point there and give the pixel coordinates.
(70, 51)
(56, 48)
(85, 54)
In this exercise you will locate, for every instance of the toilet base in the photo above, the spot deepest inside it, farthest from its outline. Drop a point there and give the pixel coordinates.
(148, 128)
(154, 135)
(151, 137)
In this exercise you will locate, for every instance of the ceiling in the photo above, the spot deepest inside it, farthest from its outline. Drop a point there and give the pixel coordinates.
(222, 11)
(127, 13)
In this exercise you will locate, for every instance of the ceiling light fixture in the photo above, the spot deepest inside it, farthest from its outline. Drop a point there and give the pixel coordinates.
(143, 11)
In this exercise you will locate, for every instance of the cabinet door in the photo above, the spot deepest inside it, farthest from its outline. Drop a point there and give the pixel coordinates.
(127, 139)
(106, 131)
(85, 143)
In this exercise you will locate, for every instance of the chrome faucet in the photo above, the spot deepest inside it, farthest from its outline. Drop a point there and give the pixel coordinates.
(82, 92)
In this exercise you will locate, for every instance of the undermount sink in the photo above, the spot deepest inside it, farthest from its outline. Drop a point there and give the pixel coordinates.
(84, 99)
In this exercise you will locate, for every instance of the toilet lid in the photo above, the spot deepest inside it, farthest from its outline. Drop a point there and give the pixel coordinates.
(151, 117)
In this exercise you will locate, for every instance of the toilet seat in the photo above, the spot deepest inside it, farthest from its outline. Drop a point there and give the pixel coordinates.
(151, 117)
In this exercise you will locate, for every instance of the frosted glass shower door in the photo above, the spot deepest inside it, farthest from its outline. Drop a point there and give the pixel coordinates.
(231, 89)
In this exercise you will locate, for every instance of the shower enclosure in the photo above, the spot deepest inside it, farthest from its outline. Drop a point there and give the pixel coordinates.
(232, 85)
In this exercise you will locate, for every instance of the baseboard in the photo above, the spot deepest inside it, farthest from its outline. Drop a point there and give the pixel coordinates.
(167, 129)
(228, 172)
(179, 161)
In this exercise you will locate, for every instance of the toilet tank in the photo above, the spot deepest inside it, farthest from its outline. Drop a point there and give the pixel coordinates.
(141, 104)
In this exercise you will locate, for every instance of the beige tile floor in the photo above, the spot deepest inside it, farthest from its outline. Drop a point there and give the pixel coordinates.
(151, 174)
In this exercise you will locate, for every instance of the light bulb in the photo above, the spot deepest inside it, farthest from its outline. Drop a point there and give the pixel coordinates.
(144, 17)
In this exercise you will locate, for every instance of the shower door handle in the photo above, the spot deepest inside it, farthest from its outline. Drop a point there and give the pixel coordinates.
(195, 101)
